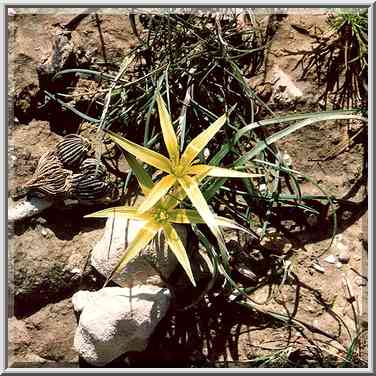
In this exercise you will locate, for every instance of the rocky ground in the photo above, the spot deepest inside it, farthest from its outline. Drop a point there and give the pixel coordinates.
(48, 256)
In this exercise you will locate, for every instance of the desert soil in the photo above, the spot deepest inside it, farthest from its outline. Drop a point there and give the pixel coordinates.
(47, 255)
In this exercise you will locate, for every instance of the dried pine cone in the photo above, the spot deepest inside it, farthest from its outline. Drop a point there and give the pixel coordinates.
(92, 166)
(73, 149)
(87, 187)
(49, 177)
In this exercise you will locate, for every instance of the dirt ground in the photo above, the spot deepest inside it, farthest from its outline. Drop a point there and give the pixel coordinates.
(46, 252)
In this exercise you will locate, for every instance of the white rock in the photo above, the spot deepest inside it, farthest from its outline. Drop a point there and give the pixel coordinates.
(76, 271)
(69, 202)
(287, 160)
(312, 219)
(27, 208)
(206, 153)
(284, 88)
(116, 320)
(82, 298)
(119, 232)
(319, 268)
(263, 188)
(331, 259)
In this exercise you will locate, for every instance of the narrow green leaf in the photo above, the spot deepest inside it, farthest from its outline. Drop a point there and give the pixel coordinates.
(143, 178)
(261, 145)
(286, 119)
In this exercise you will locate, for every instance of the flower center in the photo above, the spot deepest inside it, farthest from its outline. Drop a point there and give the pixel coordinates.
(161, 216)
(179, 171)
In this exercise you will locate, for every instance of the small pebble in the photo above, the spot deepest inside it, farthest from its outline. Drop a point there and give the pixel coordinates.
(44, 232)
(271, 230)
(68, 202)
(287, 159)
(319, 268)
(344, 257)
(346, 215)
(312, 219)
(263, 188)
(76, 271)
(338, 265)
(331, 259)
(40, 220)
(361, 281)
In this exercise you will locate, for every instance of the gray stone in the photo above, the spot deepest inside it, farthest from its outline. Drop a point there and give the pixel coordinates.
(27, 208)
(319, 268)
(330, 259)
(116, 320)
(119, 232)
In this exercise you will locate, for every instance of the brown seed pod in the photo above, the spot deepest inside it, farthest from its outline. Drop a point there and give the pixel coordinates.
(49, 177)
(92, 166)
(73, 149)
(87, 187)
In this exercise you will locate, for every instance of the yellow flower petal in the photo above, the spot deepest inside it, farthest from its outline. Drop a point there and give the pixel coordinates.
(176, 245)
(148, 156)
(175, 197)
(199, 142)
(168, 132)
(122, 211)
(187, 216)
(184, 216)
(198, 200)
(219, 172)
(159, 190)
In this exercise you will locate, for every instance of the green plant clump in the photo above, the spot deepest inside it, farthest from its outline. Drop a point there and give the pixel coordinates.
(187, 74)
